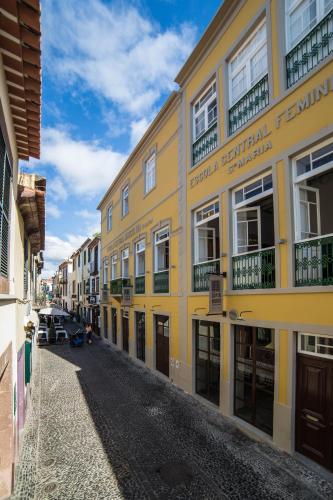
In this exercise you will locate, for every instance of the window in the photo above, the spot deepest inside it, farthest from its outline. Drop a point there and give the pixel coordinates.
(316, 345)
(302, 16)
(253, 215)
(124, 201)
(140, 248)
(109, 218)
(113, 267)
(206, 236)
(253, 261)
(204, 112)
(97, 285)
(124, 263)
(105, 272)
(74, 264)
(161, 260)
(93, 285)
(5, 175)
(313, 183)
(89, 254)
(79, 260)
(150, 173)
(249, 64)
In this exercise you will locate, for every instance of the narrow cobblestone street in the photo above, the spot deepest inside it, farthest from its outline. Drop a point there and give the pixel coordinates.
(102, 427)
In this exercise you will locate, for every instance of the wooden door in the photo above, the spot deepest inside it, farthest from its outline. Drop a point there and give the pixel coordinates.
(125, 333)
(314, 409)
(162, 344)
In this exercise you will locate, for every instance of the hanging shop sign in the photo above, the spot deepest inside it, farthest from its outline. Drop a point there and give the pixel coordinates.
(92, 299)
(127, 296)
(215, 294)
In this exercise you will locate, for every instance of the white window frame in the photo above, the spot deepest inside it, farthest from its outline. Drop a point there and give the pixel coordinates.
(125, 196)
(124, 256)
(113, 267)
(109, 217)
(138, 251)
(289, 9)
(197, 227)
(299, 180)
(150, 173)
(165, 229)
(258, 196)
(247, 64)
(316, 354)
(204, 109)
(246, 209)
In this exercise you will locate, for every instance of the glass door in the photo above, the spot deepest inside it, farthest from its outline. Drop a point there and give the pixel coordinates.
(254, 376)
(207, 347)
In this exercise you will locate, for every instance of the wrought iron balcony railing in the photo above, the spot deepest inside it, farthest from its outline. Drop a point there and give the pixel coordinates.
(314, 262)
(201, 274)
(254, 270)
(161, 282)
(140, 284)
(116, 286)
(310, 51)
(205, 144)
(249, 105)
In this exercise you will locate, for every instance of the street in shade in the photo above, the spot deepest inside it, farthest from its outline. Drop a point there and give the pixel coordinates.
(103, 426)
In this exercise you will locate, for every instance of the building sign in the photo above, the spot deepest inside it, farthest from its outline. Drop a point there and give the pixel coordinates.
(130, 233)
(127, 296)
(258, 143)
(215, 294)
(92, 299)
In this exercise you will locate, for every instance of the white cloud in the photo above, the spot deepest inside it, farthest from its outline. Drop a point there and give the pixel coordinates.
(138, 128)
(53, 210)
(56, 188)
(114, 51)
(86, 167)
(58, 249)
(87, 214)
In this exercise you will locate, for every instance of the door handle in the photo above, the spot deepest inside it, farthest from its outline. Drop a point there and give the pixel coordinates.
(313, 419)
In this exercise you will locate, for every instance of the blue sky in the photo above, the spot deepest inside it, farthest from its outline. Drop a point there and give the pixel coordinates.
(107, 68)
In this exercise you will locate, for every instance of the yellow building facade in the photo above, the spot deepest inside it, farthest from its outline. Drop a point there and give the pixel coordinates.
(234, 178)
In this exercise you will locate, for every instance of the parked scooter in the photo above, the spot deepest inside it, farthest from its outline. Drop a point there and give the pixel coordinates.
(76, 339)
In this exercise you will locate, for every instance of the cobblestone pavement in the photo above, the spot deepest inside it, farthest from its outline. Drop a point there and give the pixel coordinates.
(103, 427)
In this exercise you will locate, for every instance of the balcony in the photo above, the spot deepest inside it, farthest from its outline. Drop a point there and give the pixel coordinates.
(254, 270)
(140, 284)
(161, 282)
(249, 105)
(201, 274)
(116, 286)
(314, 262)
(205, 144)
(310, 51)
(104, 294)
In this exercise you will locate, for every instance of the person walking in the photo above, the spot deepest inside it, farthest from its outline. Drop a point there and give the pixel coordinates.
(89, 333)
